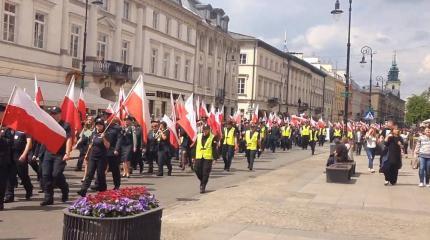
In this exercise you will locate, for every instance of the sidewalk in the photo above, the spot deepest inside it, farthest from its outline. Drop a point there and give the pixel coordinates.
(295, 202)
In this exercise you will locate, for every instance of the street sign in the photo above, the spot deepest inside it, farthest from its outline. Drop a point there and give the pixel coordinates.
(346, 94)
(369, 116)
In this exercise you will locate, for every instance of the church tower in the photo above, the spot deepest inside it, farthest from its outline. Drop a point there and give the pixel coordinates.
(393, 82)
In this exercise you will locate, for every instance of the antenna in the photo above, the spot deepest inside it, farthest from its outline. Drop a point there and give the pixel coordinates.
(285, 42)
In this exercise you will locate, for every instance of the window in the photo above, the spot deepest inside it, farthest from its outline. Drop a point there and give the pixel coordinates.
(39, 30)
(154, 60)
(163, 108)
(151, 107)
(189, 34)
(168, 20)
(187, 69)
(155, 20)
(124, 51)
(75, 34)
(202, 43)
(261, 61)
(179, 30)
(177, 67)
(199, 81)
(276, 67)
(271, 64)
(241, 85)
(211, 47)
(266, 65)
(209, 76)
(126, 13)
(242, 58)
(9, 22)
(166, 63)
(101, 45)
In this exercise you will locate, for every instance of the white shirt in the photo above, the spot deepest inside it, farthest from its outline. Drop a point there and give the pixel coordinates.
(371, 142)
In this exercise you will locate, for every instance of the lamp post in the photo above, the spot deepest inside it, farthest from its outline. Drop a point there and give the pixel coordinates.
(84, 54)
(380, 79)
(366, 50)
(335, 12)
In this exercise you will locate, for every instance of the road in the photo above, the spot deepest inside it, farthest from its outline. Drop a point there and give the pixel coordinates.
(27, 220)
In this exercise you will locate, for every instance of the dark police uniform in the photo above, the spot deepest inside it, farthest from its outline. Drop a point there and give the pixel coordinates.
(52, 170)
(96, 161)
(163, 154)
(19, 167)
(6, 162)
(112, 134)
(126, 143)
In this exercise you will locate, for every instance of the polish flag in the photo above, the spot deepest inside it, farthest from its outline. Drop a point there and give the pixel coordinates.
(188, 120)
(137, 105)
(23, 114)
(321, 123)
(82, 107)
(213, 120)
(174, 140)
(203, 111)
(254, 118)
(198, 107)
(237, 118)
(109, 109)
(38, 98)
(68, 108)
(180, 108)
(221, 114)
(313, 122)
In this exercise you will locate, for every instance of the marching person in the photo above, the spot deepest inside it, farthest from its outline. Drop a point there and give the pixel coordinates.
(337, 133)
(137, 155)
(184, 149)
(126, 145)
(313, 139)
(286, 136)
(322, 133)
(83, 142)
(305, 136)
(205, 155)
(263, 138)
(113, 134)
(20, 149)
(252, 144)
(274, 135)
(6, 161)
(164, 148)
(393, 160)
(96, 159)
(54, 164)
(152, 147)
(229, 146)
(422, 151)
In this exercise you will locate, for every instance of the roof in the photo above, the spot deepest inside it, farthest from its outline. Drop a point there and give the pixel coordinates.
(53, 93)
(263, 44)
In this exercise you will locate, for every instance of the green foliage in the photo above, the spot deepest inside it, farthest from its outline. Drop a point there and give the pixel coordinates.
(417, 109)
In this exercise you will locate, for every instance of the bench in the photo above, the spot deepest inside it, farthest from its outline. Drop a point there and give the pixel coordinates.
(339, 173)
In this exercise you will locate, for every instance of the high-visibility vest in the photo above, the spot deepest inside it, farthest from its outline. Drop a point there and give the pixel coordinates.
(286, 131)
(337, 133)
(322, 131)
(205, 151)
(263, 132)
(313, 136)
(305, 131)
(229, 136)
(350, 136)
(251, 142)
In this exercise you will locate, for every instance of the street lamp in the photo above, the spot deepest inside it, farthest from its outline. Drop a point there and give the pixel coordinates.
(338, 11)
(366, 50)
(380, 79)
(84, 54)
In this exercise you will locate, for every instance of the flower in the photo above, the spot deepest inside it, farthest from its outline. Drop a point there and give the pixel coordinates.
(115, 203)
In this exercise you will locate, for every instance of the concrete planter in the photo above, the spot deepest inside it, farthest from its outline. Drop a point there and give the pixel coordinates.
(144, 226)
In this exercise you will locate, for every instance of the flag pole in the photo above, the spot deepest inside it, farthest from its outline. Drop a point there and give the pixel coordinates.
(7, 106)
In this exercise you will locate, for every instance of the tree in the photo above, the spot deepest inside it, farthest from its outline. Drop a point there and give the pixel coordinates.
(417, 109)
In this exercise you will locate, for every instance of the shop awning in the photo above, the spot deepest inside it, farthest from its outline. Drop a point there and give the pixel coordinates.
(53, 93)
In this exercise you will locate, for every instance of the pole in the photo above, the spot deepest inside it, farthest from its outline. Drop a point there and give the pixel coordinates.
(7, 106)
(225, 77)
(84, 54)
(323, 100)
(348, 56)
(253, 82)
(370, 87)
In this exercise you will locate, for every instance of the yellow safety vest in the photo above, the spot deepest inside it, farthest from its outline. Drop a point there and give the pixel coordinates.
(313, 136)
(251, 143)
(286, 131)
(350, 136)
(229, 136)
(337, 133)
(305, 131)
(263, 132)
(322, 131)
(204, 152)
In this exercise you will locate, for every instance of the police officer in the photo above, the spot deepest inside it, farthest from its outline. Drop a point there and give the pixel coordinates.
(126, 145)
(152, 147)
(164, 148)
(229, 142)
(54, 164)
(6, 162)
(252, 143)
(112, 134)
(313, 139)
(305, 136)
(204, 156)
(20, 149)
(96, 159)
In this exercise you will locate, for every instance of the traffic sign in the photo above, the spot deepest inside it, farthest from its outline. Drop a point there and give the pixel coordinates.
(369, 116)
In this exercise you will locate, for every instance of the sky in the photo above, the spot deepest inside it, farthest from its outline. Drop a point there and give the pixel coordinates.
(384, 25)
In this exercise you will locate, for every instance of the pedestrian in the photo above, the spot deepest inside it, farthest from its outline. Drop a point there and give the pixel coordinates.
(322, 133)
(337, 133)
(359, 139)
(405, 137)
(96, 158)
(54, 164)
(371, 138)
(422, 151)
(252, 139)
(21, 147)
(392, 161)
(313, 139)
(152, 147)
(6, 161)
(126, 146)
(164, 148)
(274, 136)
(305, 136)
(113, 133)
(137, 155)
(341, 151)
(204, 156)
(83, 141)
(184, 149)
(286, 135)
(230, 145)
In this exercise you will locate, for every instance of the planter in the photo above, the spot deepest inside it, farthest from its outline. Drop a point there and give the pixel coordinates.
(144, 226)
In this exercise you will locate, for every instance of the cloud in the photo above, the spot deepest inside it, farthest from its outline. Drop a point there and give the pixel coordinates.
(425, 65)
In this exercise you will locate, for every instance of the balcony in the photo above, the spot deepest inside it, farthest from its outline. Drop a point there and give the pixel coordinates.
(116, 70)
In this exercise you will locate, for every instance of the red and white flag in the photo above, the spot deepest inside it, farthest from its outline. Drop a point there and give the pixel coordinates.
(237, 118)
(254, 118)
(137, 106)
(188, 120)
(38, 97)
(69, 112)
(213, 120)
(198, 107)
(203, 111)
(180, 108)
(82, 106)
(23, 114)
(174, 140)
